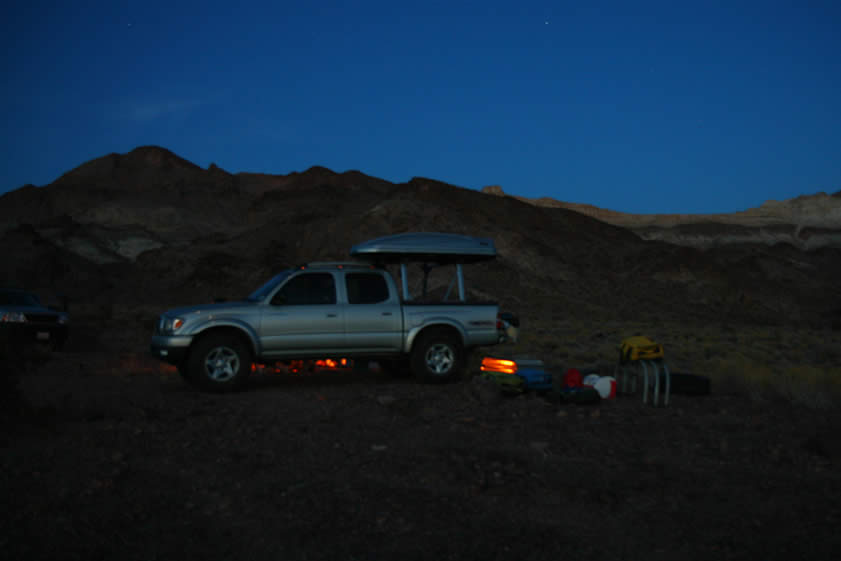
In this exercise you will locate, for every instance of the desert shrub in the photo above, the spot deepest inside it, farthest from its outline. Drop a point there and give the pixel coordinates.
(740, 375)
(811, 386)
(807, 385)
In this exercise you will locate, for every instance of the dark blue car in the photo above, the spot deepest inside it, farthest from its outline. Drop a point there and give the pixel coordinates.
(24, 320)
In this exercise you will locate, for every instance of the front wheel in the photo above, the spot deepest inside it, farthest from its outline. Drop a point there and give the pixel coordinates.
(219, 363)
(438, 356)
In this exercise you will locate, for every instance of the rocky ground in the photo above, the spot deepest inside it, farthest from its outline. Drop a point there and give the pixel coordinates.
(112, 456)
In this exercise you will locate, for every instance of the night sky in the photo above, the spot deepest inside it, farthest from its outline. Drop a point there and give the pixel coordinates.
(637, 106)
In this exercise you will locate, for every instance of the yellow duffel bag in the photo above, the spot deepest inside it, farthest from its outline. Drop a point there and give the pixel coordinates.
(639, 348)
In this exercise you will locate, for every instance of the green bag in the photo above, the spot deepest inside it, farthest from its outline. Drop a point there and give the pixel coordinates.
(508, 383)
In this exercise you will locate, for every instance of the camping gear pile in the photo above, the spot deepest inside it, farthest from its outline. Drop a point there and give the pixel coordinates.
(641, 365)
(518, 375)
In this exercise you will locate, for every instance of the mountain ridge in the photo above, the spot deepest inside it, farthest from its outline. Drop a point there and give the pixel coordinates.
(807, 221)
(145, 230)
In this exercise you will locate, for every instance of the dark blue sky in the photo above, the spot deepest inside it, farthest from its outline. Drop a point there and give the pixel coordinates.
(636, 106)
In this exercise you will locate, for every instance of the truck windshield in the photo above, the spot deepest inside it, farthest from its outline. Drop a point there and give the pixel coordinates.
(266, 289)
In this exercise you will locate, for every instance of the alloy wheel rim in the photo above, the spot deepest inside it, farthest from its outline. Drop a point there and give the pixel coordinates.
(440, 358)
(221, 364)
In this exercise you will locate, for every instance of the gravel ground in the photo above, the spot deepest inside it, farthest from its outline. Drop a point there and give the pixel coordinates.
(114, 457)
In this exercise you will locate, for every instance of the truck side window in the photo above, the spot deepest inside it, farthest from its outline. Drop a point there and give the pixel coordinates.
(366, 288)
(307, 289)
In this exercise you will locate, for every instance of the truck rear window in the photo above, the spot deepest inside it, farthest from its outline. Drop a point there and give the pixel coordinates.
(366, 288)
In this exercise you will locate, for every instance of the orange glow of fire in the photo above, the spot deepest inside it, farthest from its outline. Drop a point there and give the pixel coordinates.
(490, 364)
(167, 368)
(301, 366)
(296, 366)
(331, 363)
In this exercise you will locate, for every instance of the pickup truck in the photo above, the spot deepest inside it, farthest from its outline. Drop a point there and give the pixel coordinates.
(338, 310)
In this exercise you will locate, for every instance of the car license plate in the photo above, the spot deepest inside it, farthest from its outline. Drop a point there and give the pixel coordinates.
(43, 335)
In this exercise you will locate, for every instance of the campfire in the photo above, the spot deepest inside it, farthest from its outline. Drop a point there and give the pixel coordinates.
(304, 366)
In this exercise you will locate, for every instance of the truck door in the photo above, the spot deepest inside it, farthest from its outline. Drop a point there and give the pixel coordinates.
(303, 315)
(373, 320)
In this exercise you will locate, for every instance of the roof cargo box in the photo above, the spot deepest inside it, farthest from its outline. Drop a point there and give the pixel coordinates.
(430, 247)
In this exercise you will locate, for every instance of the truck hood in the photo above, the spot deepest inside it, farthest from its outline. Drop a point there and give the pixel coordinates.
(35, 311)
(216, 308)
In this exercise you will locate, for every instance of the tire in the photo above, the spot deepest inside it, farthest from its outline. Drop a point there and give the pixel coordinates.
(437, 356)
(219, 362)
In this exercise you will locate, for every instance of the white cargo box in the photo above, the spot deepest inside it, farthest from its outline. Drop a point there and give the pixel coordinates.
(431, 247)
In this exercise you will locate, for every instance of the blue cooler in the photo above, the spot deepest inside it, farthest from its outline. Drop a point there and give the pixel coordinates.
(529, 370)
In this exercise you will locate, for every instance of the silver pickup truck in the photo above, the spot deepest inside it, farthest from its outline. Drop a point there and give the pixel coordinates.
(332, 310)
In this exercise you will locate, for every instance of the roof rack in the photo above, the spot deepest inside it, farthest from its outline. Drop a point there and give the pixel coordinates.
(337, 265)
(431, 249)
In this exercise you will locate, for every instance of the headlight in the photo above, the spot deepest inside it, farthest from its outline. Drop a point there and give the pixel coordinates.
(168, 325)
(12, 317)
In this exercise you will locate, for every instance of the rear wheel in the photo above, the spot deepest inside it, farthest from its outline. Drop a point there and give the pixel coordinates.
(219, 363)
(438, 356)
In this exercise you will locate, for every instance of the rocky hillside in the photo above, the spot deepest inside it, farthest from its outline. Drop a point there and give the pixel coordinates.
(806, 222)
(127, 235)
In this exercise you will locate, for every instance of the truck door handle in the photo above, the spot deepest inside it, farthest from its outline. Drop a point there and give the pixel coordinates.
(386, 313)
(331, 315)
